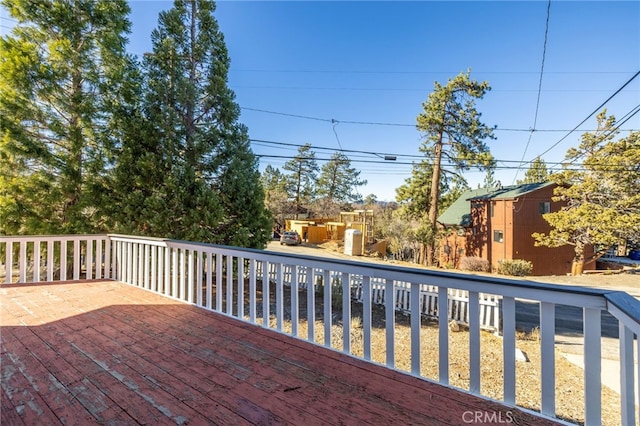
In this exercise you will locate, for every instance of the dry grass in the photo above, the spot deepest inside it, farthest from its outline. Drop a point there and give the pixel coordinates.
(569, 377)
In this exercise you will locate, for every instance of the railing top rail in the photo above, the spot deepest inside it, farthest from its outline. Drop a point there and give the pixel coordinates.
(625, 308)
(554, 293)
(18, 238)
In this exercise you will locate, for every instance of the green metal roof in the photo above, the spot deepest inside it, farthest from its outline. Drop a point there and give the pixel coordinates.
(459, 213)
(513, 191)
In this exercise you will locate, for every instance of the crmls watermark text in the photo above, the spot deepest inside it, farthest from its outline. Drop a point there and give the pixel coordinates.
(487, 417)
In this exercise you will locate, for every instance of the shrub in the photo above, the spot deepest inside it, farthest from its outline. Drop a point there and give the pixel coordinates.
(476, 264)
(515, 267)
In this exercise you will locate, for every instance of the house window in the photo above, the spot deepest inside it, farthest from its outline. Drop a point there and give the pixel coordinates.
(498, 236)
(492, 207)
(545, 207)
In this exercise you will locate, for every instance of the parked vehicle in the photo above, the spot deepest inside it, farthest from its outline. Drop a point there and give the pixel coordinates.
(290, 238)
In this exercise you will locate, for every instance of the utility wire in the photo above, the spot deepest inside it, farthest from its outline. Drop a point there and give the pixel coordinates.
(310, 71)
(535, 117)
(589, 116)
(335, 123)
(577, 168)
(552, 165)
(376, 123)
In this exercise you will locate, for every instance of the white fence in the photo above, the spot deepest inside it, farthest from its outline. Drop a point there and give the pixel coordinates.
(457, 300)
(237, 282)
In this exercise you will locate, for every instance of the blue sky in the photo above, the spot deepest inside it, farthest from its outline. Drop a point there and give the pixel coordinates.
(376, 62)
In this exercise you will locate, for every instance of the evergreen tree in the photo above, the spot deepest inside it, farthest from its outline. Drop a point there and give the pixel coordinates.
(301, 182)
(338, 181)
(370, 200)
(602, 196)
(414, 202)
(490, 179)
(64, 81)
(537, 172)
(276, 197)
(199, 178)
(454, 136)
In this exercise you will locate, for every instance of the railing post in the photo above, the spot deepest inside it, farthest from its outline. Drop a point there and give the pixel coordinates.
(474, 342)
(199, 278)
(279, 297)
(229, 303)
(390, 315)
(265, 294)
(416, 325)
(154, 268)
(240, 292)
(76, 259)
(50, 260)
(141, 264)
(63, 260)
(189, 294)
(366, 316)
(99, 262)
(443, 335)
(36, 261)
(252, 290)
(592, 366)
(23, 262)
(183, 277)
(209, 280)
(311, 304)
(509, 348)
(9, 262)
(89, 260)
(328, 319)
(346, 313)
(548, 357)
(174, 272)
(294, 300)
(145, 267)
(627, 376)
(108, 267)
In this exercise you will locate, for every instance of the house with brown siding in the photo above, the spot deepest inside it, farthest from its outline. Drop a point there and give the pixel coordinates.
(497, 223)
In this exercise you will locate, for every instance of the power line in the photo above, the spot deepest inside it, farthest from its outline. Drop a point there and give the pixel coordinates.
(550, 165)
(335, 123)
(535, 117)
(577, 168)
(311, 71)
(589, 116)
(377, 123)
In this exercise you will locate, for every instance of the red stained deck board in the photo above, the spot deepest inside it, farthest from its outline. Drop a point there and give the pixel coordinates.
(267, 367)
(109, 352)
(258, 370)
(283, 374)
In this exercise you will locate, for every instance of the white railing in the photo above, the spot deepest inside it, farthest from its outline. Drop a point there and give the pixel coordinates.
(457, 300)
(54, 258)
(237, 282)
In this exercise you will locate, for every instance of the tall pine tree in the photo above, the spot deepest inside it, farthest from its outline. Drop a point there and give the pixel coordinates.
(338, 182)
(301, 182)
(602, 196)
(454, 136)
(64, 80)
(203, 181)
(537, 172)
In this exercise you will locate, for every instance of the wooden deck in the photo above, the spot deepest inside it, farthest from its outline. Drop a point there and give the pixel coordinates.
(109, 353)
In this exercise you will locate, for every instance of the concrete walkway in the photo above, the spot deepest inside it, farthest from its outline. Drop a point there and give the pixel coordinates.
(610, 370)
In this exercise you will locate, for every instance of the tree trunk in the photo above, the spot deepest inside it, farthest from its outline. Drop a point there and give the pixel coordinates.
(577, 265)
(433, 204)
